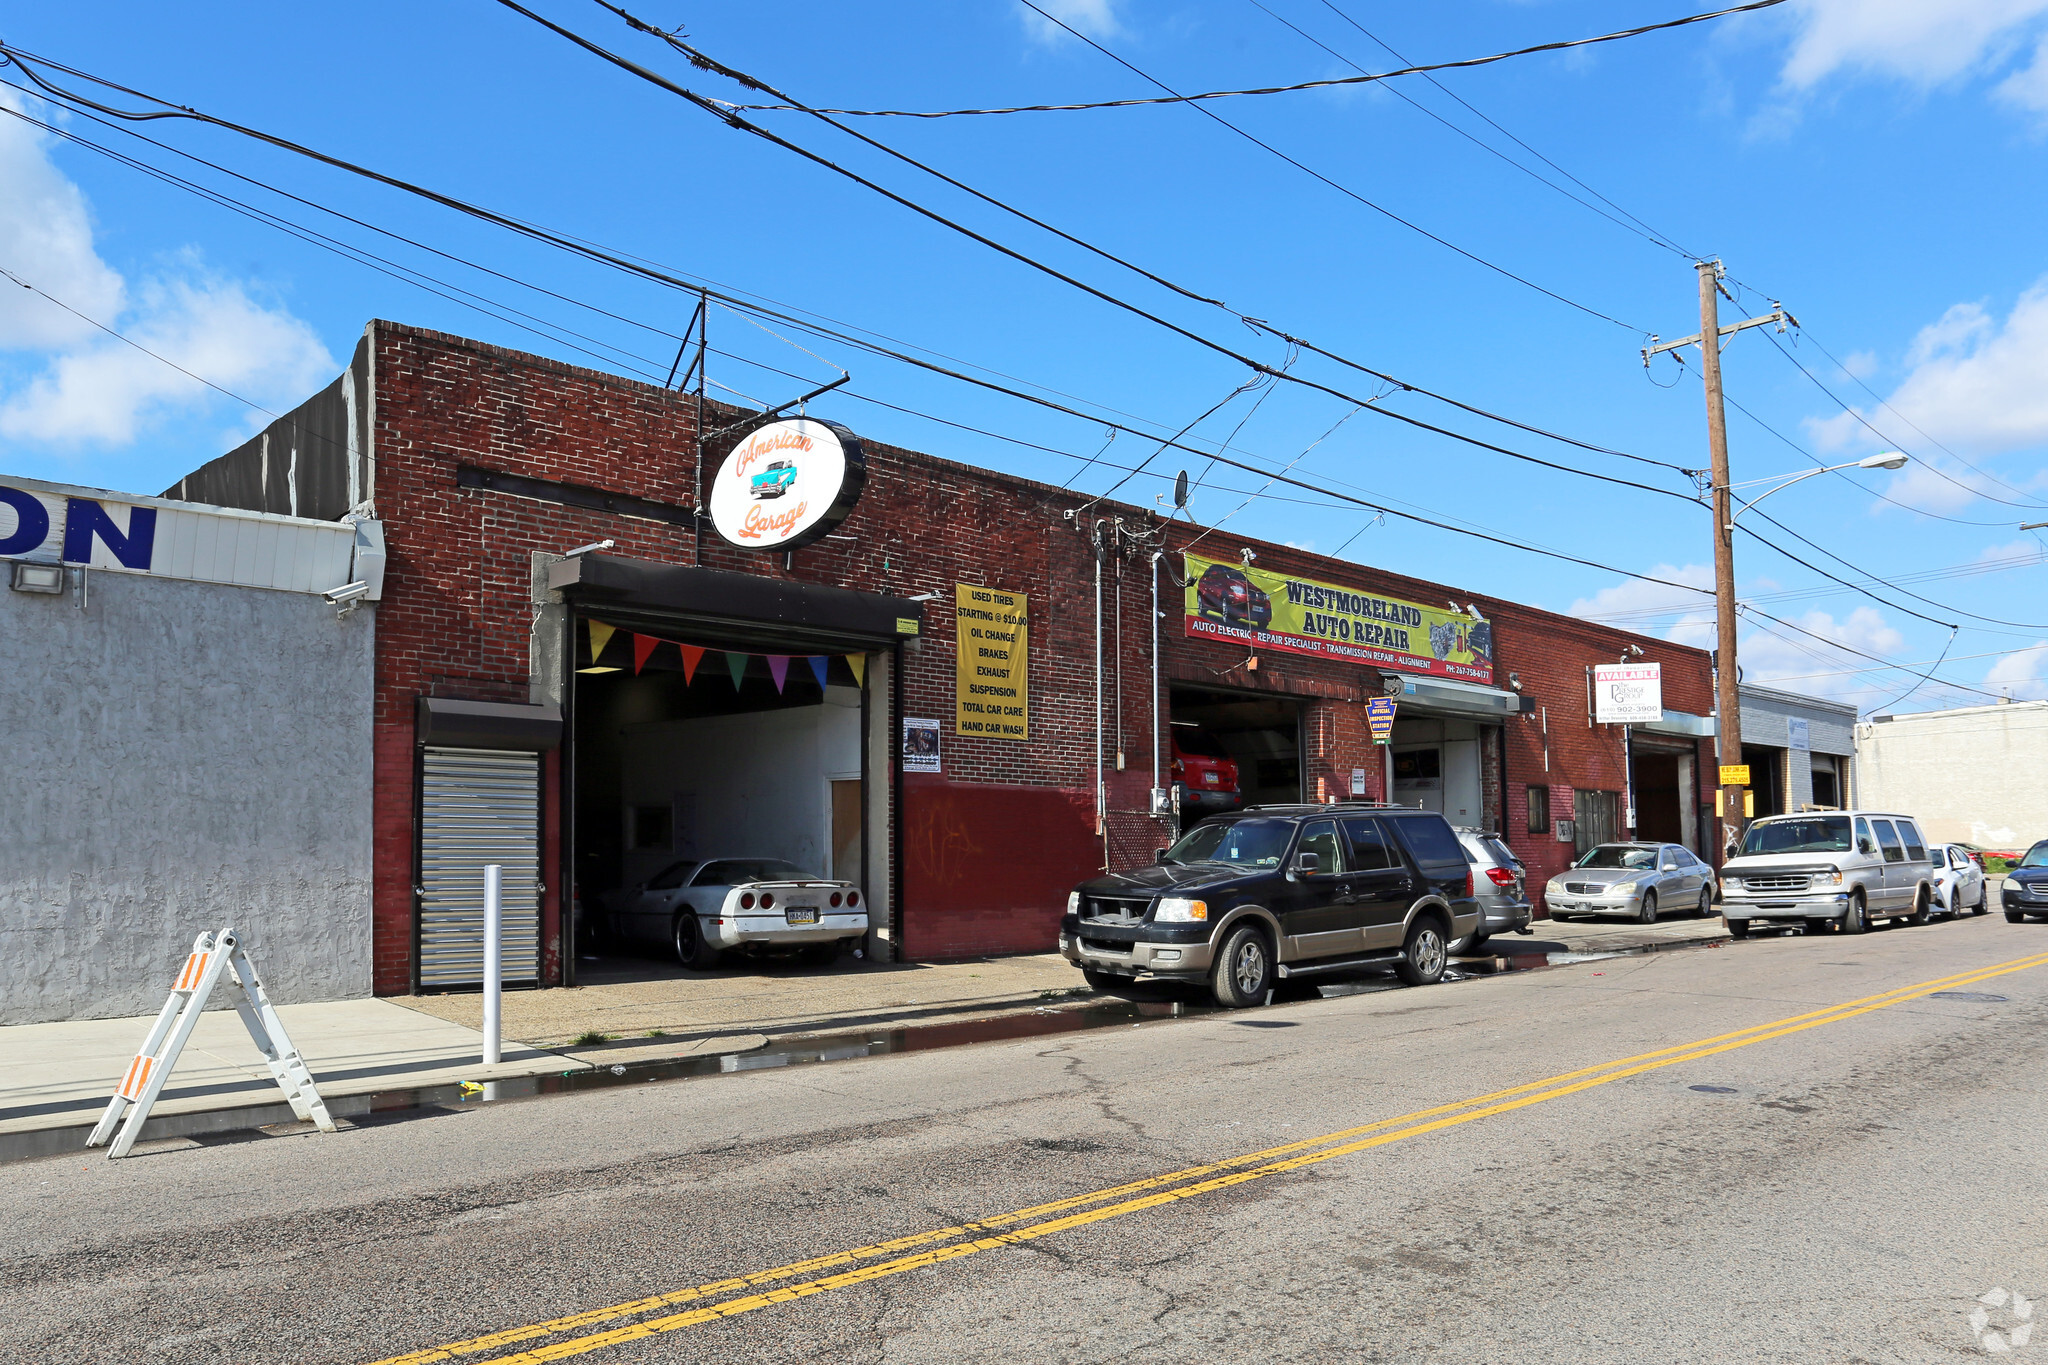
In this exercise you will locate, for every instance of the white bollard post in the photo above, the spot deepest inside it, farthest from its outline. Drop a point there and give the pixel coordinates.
(494, 974)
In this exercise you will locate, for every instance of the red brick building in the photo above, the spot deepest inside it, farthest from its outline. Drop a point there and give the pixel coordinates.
(587, 719)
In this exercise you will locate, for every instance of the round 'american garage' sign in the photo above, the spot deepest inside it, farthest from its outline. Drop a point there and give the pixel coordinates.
(787, 484)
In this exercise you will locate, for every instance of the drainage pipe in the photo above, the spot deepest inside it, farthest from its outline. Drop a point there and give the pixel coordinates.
(1155, 675)
(1101, 819)
(494, 966)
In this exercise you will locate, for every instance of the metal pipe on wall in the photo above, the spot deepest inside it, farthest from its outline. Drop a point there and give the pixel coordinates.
(1155, 670)
(1101, 815)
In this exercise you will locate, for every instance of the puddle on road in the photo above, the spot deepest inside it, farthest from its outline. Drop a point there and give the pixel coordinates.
(1148, 1003)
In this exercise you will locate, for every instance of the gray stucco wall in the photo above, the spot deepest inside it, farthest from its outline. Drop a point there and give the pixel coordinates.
(182, 756)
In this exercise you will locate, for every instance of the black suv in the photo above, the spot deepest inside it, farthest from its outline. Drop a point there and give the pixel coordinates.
(1280, 891)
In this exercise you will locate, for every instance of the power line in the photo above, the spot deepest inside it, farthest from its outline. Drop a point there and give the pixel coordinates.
(1308, 170)
(1624, 223)
(1658, 237)
(1282, 89)
(1865, 423)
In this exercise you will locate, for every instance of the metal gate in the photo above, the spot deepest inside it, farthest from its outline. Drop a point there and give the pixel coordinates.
(478, 806)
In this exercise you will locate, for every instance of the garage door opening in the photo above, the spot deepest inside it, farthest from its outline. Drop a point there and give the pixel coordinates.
(702, 766)
(1231, 749)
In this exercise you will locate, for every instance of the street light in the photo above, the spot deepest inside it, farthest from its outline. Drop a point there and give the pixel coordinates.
(1891, 459)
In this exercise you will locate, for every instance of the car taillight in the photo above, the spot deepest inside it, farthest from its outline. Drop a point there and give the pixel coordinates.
(746, 900)
(1500, 876)
(836, 898)
(853, 898)
(1468, 883)
(767, 899)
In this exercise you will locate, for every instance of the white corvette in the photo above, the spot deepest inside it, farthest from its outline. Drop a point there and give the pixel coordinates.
(708, 908)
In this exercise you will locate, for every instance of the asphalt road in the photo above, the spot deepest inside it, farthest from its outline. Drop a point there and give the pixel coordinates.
(1522, 1168)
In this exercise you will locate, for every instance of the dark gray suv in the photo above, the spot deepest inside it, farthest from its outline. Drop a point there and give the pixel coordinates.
(1272, 892)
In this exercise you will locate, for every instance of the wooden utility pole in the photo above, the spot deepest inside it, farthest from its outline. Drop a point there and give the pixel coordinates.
(1727, 699)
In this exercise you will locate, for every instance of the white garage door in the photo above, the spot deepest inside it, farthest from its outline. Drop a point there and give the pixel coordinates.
(478, 806)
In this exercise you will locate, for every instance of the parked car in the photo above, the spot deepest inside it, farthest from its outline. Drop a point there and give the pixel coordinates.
(1498, 881)
(1639, 880)
(1845, 868)
(774, 479)
(709, 908)
(1959, 883)
(1203, 770)
(1271, 892)
(2026, 887)
(1227, 594)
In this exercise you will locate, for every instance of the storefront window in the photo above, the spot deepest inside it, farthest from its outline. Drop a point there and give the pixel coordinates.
(1597, 817)
(1539, 810)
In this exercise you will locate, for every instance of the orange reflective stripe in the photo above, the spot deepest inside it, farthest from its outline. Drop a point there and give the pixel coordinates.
(195, 966)
(137, 1078)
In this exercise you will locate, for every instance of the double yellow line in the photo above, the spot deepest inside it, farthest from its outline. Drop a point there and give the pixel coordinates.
(939, 1245)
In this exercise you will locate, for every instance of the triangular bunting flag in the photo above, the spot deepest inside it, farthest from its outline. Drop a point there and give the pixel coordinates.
(691, 656)
(817, 663)
(736, 664)
(859, 664)
(643, 645)
(600, 636)
(778, 664)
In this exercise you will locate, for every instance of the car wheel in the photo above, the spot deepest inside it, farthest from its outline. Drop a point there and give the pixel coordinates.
(1919, 915)
(1471, 943)
(691, 949)
(1422, 956)
(1854, 918)
(1737, 928)
(1706, 902)
(1243, 974)
(1983, 900)
(1648, 913)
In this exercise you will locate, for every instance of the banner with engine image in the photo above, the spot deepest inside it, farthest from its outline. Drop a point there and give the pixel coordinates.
(1225, 601)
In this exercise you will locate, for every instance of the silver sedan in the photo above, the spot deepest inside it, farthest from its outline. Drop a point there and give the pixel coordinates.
(1636, 880)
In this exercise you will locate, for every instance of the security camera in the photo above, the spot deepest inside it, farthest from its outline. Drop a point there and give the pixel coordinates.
(347, 592)
(1248, 554)
(1515, 681)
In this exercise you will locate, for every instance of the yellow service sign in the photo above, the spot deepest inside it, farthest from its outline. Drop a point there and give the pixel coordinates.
(1735, 774)
(992, 631)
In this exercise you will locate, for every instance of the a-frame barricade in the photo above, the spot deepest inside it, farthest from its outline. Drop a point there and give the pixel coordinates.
(212, 956)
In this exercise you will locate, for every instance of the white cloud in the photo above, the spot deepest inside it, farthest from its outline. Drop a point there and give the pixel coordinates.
(1768, 651)
(1910, 40)
(1974, 385)
(1096, 18)
(46, 238)
(1686, 618)
(2023, 676)
(93, 388)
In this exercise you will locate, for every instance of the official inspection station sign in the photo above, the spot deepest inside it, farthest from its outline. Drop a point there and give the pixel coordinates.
(993, 633)
(1228, 601)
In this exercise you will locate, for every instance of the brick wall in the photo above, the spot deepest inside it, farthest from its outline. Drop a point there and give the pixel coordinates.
(456, 619)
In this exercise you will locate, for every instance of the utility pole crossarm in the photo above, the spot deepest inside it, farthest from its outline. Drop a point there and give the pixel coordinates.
(1777, 315)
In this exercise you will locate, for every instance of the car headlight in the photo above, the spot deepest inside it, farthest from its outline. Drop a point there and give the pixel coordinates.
(1555, 886)
(1622, 889)
(1073, 902)
(1179, 910)
(1831, 877)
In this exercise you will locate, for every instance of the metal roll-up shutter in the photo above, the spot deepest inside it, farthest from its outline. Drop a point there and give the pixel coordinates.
(478, 806)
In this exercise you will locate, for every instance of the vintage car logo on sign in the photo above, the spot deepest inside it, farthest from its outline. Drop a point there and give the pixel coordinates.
(787, 484)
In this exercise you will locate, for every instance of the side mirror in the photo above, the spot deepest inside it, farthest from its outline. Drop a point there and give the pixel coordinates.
(1307, 863)
(1158, 855)
(1865, 846)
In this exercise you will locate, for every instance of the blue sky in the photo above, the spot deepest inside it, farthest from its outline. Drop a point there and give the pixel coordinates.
(1881, 166)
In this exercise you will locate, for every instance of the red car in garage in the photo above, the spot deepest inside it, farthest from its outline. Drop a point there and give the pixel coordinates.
(1203, 770)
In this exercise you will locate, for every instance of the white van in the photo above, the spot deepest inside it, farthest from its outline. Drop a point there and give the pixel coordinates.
(1845, 868)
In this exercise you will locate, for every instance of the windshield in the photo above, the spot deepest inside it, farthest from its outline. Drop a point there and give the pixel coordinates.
(1242, 843)
(2037, 856)
(736, 871)
(1619, 855)
(1818, 834)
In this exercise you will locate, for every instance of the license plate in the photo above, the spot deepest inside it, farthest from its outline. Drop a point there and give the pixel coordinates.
(801, 914)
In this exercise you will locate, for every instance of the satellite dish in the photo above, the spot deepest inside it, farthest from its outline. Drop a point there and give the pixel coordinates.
(1180, 489)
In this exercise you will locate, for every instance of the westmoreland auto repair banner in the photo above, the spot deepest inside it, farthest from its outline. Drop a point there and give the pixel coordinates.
(1227, 601)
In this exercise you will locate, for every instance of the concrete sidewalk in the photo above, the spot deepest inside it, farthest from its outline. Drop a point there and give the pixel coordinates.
(59, 1075)
(632, 1010)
